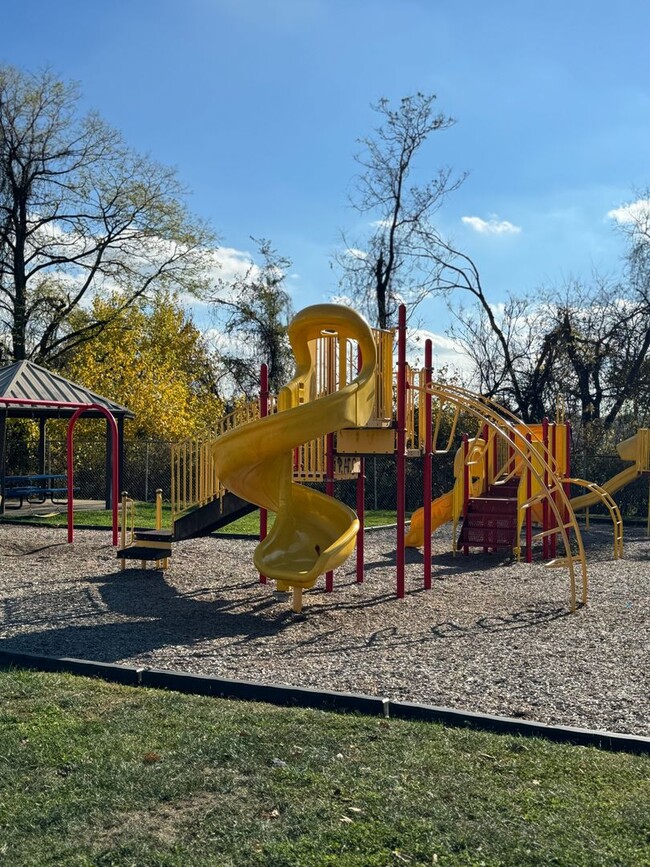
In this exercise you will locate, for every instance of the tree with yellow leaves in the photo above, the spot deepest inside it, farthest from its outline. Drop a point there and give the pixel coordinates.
(154, 360)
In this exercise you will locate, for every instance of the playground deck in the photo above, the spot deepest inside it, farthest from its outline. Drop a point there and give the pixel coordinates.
(491, 635)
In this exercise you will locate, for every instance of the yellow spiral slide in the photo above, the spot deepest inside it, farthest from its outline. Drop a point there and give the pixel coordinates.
(312, 533)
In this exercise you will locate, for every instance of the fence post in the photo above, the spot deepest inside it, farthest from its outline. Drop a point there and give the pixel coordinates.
(374, 479)
(146, 472)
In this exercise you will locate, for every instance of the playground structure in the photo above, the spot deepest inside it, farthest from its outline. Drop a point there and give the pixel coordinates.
(338, 409)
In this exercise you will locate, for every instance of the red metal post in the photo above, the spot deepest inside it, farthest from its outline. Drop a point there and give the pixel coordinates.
(529, 510)
(361, 514)
(401, 449)
(93, 407)
(80, 408)
(486, 456)
(329, 490)
(545, 520)
(486, 471)
(264, 411)
(567, 486)
(553, 521)
(361, 500)
(428, 449)
(465, 484)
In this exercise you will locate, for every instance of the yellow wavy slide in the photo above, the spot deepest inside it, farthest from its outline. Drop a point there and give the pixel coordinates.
(312, 533)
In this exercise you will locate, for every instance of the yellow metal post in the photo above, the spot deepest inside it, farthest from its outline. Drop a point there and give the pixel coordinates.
(123, 529)
(160, 564)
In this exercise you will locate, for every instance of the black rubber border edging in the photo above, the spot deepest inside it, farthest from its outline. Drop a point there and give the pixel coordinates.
(124, 674)
(297, 696)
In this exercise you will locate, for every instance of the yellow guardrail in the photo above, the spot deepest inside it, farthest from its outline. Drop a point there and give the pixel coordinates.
(513, 432)
(194, 479)
(643, 450)
(127, 524)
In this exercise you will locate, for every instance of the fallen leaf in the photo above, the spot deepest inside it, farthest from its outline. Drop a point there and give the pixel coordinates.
(270, 814)
(151, 758)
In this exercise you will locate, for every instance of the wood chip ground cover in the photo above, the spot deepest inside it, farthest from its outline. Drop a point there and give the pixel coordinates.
(492, 635)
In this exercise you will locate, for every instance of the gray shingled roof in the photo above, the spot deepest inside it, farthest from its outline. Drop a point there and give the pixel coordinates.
(27, 381)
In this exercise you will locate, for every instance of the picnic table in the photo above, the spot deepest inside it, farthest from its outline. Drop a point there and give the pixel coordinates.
(35, 488)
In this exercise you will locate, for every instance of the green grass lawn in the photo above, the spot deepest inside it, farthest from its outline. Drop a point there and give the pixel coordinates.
(145, 516)
(98, 774)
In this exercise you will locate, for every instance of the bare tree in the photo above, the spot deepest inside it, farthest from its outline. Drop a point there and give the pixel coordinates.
(255, 311)
(80, 213)
(586, 341)
(397, 261)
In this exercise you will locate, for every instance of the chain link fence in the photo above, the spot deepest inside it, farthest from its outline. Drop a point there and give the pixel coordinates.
(147, 466)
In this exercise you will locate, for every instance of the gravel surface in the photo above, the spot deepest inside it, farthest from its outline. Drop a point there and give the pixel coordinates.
(491, 636)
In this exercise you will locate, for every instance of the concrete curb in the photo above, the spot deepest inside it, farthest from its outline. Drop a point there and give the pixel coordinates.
(296, 696)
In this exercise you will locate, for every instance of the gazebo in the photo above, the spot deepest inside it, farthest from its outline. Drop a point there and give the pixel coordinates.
(30, 391)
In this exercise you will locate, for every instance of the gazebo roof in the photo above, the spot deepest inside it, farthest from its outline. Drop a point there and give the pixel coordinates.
(24, 380)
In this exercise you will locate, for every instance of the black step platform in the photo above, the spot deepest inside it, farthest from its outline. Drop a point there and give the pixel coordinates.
(143, 552)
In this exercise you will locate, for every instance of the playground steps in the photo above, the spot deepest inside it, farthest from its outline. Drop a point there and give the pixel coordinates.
(210, 517)
(491, 520)
(148, 545)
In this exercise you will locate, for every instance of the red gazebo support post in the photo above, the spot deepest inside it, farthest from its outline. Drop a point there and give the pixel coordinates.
(70, 459)
(264, 411)
(401, 449)
(428, 449)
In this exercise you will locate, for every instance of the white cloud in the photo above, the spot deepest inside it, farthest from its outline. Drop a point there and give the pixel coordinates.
(632, 212)
(447, 352)
(355, 253)
(344, 300)
(493, 226)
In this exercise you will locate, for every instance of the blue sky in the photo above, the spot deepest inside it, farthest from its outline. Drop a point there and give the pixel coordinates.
(259, 104)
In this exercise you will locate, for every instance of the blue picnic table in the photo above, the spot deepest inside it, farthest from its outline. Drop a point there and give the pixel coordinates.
(35, 488)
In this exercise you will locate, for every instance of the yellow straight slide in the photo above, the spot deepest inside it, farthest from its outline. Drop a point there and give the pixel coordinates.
(611, 486)
(627, 451)
(312, 533)
(442, 510)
